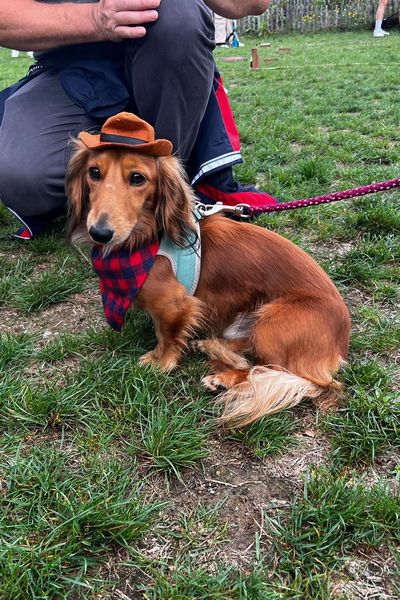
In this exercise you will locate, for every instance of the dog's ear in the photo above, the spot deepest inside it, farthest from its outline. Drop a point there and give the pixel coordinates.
(175, 202)
(77, 189)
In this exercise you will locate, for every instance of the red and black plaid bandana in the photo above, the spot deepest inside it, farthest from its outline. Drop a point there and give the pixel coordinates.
(122, 274)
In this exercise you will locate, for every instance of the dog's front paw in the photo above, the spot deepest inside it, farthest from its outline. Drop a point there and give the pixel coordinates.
(148, 359)
(213, 383)
(164, 363)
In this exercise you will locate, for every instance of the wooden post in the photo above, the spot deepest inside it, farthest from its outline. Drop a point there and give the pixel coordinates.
(255, 59)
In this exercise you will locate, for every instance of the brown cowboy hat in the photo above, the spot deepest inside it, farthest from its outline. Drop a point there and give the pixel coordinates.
(128, 131)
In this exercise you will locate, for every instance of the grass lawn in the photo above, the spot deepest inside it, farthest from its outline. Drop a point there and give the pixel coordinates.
(115, 481)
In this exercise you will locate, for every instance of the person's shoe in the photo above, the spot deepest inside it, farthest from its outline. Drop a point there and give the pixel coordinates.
(23, 233)
(31, 226)
(380, 33)
(34, 225)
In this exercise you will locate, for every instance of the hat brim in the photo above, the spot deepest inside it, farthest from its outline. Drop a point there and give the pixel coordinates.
(156, 148)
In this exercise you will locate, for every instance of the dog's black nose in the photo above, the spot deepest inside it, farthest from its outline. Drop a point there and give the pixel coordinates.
(101, 234)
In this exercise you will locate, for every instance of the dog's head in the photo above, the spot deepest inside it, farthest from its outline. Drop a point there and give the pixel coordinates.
(118, 196)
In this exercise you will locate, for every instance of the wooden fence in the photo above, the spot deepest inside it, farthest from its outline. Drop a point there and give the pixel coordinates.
(315, 15)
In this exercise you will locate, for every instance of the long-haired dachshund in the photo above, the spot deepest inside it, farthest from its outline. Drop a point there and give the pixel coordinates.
(278, 330)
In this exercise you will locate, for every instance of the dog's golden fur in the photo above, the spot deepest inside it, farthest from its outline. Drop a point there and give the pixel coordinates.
(279, 328)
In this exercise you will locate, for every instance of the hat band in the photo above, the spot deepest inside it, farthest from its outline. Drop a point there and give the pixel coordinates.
(121, 139)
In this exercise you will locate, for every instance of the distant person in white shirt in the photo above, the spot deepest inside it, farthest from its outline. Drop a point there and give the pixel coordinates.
(380, 13)
(223, 29)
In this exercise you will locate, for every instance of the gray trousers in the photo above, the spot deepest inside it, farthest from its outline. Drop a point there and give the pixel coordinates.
(169, 74)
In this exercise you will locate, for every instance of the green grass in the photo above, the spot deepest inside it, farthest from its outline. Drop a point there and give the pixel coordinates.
(64, 515)
(268, 436)
(31, 289)
(333, 517)
(190, 581)
(116, 479)
(370, 420)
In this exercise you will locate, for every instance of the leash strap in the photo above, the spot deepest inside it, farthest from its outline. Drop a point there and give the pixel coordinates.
(246, 211)
(325, 199)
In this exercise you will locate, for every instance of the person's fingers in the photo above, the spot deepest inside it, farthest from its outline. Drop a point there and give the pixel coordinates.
(135, 18)
(129, 33)
(131, 5)
(123, 19)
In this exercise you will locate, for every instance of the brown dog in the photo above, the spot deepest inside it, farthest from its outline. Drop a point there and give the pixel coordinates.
(280, 328)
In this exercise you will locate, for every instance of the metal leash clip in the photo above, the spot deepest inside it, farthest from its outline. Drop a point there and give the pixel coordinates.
(206, 210)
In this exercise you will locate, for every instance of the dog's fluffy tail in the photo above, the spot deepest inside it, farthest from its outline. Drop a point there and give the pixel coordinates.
(265, 392)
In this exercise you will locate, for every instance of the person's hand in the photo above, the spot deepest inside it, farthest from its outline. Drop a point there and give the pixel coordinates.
(117, 20)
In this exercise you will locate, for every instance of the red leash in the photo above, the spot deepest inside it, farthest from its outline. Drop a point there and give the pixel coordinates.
(361, 191)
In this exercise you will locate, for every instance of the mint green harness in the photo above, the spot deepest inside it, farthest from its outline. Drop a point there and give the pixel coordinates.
(185, 262)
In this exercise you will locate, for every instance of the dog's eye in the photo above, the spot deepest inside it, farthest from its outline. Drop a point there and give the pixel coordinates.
(137, 179)
(94, 173)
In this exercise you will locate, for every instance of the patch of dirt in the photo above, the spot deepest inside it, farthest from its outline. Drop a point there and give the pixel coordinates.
(39, 373)
(244, 487)
(13, 252)
(293, 464)
(78, 312)
(296, 147)
(384, 470)
(367, 576)
(331, 250)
